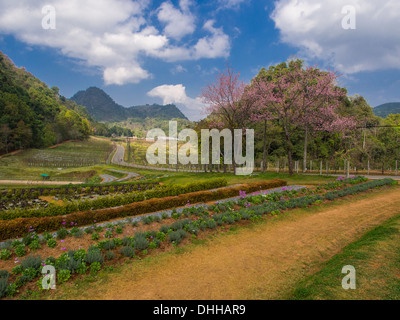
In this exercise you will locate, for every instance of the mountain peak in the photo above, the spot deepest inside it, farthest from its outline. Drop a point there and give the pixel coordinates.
(103, 108)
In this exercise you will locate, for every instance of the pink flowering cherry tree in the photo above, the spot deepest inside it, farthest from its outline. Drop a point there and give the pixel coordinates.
(297, 98)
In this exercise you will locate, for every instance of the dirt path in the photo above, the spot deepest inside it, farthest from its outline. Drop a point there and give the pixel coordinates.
(260, 262)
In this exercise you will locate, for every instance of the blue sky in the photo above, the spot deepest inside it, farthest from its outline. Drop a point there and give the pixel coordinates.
(165, 51)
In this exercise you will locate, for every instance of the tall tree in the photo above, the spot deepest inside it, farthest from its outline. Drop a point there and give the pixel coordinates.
(225, 103)
(298, 99)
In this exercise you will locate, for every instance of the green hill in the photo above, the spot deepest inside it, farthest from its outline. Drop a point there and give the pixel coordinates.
(103, 108)
(388, 108)
(34, 116)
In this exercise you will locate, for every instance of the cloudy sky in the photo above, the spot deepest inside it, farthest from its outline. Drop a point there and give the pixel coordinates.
(148, 51)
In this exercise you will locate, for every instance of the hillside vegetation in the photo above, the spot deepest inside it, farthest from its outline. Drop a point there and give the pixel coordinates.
(388, 108)
(32, 115)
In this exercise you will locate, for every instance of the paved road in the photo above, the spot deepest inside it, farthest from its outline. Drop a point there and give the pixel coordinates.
(107, 178)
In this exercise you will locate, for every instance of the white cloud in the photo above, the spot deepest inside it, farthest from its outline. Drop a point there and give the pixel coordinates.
(194, 108)
(231, 4)
(316, 28)
(217, 45)
(111, 35)
(178, 69)
(179, 23)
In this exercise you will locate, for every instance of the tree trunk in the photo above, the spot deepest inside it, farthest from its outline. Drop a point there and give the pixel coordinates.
(265, 147)
(290, 153)
(305, 151)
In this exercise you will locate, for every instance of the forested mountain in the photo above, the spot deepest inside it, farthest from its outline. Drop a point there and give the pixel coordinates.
(32, 115)
(388, 108)
(103, 108)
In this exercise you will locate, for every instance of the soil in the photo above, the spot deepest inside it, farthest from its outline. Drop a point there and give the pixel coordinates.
(263, 261)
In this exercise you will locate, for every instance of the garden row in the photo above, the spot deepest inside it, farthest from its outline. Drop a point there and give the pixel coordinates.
(111, 200)
(19, 226)
(96, 256)
(34, 193)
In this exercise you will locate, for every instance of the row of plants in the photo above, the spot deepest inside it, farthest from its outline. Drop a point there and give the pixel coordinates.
(13, 228)
(111, 200)
(34, 193)
(332, 195)
(92, 260)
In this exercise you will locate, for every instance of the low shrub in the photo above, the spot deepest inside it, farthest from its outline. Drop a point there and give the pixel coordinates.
(95, 267)
(63, 275)
(3, 287)
(127, 251)
(140, 242)
(62, 233)
(5, 254)
(94, 255)
(20, 250)
(31, 261)
(34, 245)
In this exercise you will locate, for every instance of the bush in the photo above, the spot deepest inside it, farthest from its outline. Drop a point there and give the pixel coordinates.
(20, 250)
(161, 236)
(52, 243)
(140, 242)
(117, 242)
(30, 273)
(17, 270)
(147, 220)
(77, 233)
(47, 236)
(82, 268)
(3, 287)
(62, 233)
(35, 245)
(94, 255)
(127, 251)
(95, 236)
(4, 274)
(108, 234)
(164, 216)
(119, 230)
(63, 275)
(177, 236)
(127, 241)
(107, 245)
(95, 267)
(5, 254)
(31, 261)
(110, 255)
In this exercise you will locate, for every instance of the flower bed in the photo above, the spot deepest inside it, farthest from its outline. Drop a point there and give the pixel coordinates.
(111, 201)
(19, 226)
